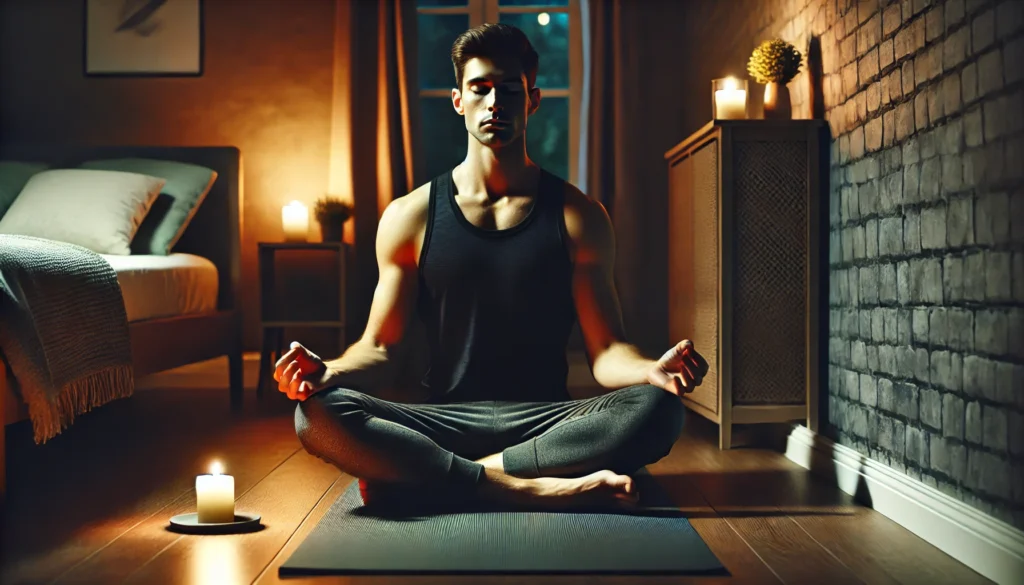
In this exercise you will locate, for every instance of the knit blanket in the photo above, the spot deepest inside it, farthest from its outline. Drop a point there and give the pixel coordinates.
(63, 330)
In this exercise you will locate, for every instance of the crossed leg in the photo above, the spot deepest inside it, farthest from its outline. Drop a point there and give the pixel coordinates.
(466, 447)
(621, 431)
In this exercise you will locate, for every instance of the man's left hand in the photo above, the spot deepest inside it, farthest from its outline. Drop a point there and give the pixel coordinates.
(680, 370)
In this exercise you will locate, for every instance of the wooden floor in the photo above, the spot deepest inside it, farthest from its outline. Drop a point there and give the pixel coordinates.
(92, 506)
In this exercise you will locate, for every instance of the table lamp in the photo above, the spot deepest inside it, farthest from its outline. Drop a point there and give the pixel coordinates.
(295, 222)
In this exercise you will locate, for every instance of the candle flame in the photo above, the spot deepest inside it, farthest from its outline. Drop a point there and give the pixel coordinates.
(729, 83)
(216, 468)
(296, 203)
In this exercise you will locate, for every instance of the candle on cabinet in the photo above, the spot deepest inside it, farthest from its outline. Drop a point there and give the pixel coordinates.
(295, 221)
(215, 496)
(730, 99)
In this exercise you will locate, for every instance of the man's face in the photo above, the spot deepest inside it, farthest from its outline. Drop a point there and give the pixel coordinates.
(495, 100)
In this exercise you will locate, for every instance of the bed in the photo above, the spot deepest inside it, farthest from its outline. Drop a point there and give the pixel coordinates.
(183, 307)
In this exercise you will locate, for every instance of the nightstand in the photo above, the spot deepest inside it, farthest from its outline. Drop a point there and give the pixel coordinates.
(286, 303)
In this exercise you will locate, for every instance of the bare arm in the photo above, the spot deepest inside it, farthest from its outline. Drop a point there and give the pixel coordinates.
(614, 362)
(366, 364)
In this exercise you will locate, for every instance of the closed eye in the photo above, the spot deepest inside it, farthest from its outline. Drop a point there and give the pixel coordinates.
(504, 88)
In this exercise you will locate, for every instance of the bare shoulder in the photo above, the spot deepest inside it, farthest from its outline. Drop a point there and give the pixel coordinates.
(408, 211)
(586, 220)
(401, 227)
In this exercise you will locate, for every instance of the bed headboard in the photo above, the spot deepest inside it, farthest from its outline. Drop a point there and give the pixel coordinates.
(215, 231)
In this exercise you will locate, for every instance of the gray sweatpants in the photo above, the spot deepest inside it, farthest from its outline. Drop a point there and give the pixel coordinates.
(382, 441)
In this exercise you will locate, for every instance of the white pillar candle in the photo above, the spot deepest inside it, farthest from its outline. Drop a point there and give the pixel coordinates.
(730, 104)
(295, 221)
(215, 496)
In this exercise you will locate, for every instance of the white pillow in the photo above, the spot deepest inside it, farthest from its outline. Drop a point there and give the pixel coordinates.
(98, 210)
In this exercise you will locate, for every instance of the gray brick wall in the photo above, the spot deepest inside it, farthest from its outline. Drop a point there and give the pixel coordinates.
(925, 99)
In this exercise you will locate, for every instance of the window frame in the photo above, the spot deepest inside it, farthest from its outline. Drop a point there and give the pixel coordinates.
(481, 11)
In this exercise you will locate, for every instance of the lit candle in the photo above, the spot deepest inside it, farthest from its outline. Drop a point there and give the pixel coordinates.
(730, 102)
(215, 496)
(295, 220)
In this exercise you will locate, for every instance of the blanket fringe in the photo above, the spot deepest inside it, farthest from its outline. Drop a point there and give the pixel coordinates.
(79, 397)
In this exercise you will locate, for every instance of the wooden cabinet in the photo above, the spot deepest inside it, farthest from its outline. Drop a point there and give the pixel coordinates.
(746, 205)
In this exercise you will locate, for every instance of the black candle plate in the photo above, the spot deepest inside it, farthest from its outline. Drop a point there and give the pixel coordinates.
(190, 524)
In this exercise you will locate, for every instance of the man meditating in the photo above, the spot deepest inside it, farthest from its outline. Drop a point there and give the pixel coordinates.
(498, 258)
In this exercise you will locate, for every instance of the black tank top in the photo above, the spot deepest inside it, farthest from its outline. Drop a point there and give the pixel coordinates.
(497, 305)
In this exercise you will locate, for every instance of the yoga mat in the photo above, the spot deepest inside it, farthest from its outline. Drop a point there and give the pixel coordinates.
(654, 539)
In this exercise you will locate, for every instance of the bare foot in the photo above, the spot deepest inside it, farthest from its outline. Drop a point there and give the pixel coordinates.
(495, 461)
(601, 489)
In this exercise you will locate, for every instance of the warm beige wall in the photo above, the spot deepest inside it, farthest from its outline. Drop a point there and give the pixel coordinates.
(267, 89)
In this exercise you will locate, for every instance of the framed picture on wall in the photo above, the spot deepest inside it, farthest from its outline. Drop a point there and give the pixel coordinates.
(143, 38)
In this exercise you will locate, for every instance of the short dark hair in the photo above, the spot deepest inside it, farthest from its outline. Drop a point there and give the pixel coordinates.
(495, 41)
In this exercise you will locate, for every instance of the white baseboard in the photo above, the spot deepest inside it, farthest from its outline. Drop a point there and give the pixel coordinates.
(987, 545)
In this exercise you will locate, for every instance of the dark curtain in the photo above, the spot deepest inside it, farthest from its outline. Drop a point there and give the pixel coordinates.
(617, 162)
(376, 128)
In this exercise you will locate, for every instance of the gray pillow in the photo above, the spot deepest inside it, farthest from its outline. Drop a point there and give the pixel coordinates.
(13, 176)
(186, 187)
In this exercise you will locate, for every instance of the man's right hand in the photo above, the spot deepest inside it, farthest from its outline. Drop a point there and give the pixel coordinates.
(300, 373)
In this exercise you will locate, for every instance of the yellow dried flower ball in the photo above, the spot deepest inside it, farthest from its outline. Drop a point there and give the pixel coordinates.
(774, 60)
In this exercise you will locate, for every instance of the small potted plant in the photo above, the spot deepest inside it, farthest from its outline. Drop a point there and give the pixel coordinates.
(775, 63)
(331, 213)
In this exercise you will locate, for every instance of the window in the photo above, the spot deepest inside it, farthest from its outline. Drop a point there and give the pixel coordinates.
(553, 27)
